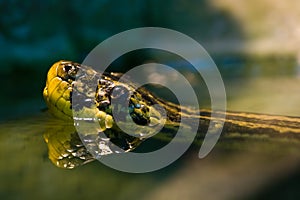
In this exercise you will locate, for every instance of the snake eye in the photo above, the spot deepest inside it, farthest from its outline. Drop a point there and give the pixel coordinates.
(69, 71)
(67, 68)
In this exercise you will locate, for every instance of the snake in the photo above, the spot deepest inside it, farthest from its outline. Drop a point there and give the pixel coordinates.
(70, 97)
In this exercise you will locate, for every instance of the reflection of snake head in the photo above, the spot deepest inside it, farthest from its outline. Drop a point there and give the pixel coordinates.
(65, 148)
(69, 92)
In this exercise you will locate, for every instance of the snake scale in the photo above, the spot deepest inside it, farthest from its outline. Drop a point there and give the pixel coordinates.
(68, 81)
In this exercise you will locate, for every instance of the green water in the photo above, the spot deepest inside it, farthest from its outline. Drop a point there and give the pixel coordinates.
(238, 168)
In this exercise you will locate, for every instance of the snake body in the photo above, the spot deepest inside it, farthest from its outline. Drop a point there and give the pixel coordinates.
(96, 103)
(68, 93)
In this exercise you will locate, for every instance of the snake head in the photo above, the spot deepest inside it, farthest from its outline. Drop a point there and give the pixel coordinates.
(58, 90)
(77, 92)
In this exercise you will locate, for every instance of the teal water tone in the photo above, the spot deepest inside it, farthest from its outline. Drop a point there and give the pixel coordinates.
(254, 46)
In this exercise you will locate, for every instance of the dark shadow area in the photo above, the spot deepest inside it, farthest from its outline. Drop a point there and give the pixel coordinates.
(285, 188)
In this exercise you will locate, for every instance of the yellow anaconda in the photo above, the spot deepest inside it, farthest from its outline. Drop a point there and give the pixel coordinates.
(66, 80)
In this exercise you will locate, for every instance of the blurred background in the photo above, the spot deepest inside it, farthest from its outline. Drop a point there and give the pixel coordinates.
(245, 39)
(255, 44)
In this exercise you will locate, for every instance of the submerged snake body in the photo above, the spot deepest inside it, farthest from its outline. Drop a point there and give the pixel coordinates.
(69, 93)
